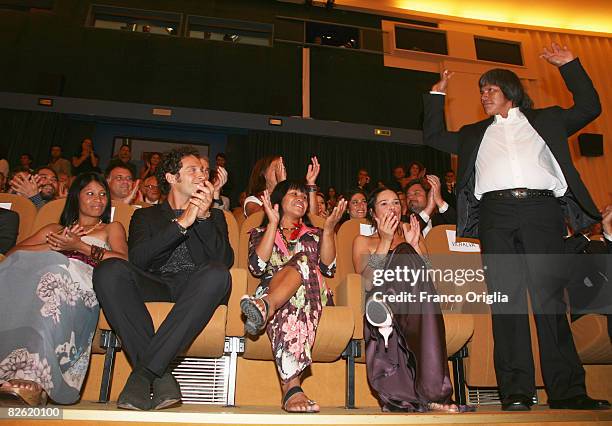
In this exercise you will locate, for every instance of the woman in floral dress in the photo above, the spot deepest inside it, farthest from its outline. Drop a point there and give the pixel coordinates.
(291, 257)
(48, 309)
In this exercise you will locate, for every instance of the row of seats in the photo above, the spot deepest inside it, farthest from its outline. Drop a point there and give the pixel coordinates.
(340, 332)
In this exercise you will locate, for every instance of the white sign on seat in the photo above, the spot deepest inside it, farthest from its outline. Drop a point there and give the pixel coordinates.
(463, 246)
(6, 205)
(366, 229)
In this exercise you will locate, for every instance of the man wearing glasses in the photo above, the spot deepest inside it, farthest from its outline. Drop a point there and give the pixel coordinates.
(150, 191)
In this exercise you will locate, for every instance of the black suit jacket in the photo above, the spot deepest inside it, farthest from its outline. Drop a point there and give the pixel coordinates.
(553, 124)
(9, 228)
(153, 238)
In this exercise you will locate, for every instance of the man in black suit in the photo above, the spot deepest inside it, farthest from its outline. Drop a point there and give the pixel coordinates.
(9, 228)
(424, 198)
(179, 252)
(516, 181)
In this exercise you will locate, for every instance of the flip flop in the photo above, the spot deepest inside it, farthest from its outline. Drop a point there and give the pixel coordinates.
(290, 394)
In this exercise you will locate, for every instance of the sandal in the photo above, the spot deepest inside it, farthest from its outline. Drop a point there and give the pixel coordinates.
(444, 408)
(256, 311)
(291, 393)
(15, 395)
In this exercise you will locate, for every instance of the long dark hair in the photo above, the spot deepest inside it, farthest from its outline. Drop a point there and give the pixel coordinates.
(510, 86)
(257, 180)
(279, 192)
(70, 214)
(372, 199)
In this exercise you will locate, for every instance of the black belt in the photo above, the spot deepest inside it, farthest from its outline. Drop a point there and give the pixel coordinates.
(519, 193)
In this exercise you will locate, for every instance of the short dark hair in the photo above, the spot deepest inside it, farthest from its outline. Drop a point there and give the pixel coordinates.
(116, 165)
(280, 190)
(45, 168)
(222, 155)
(70, 214)
(171, 162)
(510, 86)
(421, 181)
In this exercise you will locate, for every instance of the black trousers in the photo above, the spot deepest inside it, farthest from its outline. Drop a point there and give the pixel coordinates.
(519, 240)
(122, 290)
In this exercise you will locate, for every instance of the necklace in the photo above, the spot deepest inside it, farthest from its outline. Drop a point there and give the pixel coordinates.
(92, 228)
(293, 238)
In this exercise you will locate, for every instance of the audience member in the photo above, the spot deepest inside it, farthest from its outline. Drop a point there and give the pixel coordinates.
(49, 310)
(124, 159)
(416, 170)
(86, 160)
(150, 190)
(64, 181)
(179, 252)
(400, 179)
(285, 252)
(40, 188)
(357, 204)
(321, 205)
(9, 228)
(423, 197)
(332, 198)
(151, 164)
(57, 163)
(267, 172)
(218, 178)
(2, 182)
(406, 360)
(4, 164)
(363, 180)
(25, 163)
(221, 161)
(123, 189)
(448, 189)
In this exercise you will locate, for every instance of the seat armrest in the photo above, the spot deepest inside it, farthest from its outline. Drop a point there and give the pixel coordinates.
(235, 325)
(350, 293)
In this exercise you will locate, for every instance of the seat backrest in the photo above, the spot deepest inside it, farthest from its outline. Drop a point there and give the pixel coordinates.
(49, 213)
(238, 215)
(122, 213)
(347, 233)
(24, 208)
(233, 232)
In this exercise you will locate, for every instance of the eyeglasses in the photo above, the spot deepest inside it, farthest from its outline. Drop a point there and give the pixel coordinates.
(152, 186)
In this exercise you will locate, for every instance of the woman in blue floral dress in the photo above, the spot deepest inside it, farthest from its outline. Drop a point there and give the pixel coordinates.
(291, 257)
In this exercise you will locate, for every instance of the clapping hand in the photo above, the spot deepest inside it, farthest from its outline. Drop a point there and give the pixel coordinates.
(412, 232)
(271, 211)
(133, 194)
(334, 217)
(557, 55)
(441, 85)
(387, 225)
(219, 181)
(68, 238)
(25, 185)
(606, 221)
(281, 171)
(436, 189)
(313, 171)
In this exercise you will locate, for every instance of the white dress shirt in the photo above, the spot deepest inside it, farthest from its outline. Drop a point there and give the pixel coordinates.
(427, 219)
(513, 155)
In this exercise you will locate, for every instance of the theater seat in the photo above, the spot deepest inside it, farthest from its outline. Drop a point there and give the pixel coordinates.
(336, 328)
(213, 342)
(24, 208)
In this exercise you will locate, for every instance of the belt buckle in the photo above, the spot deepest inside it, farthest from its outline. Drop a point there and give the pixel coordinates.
(519, 193)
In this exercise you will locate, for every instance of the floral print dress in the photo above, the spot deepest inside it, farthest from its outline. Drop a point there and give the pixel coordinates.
(293, 326)
(48, 317)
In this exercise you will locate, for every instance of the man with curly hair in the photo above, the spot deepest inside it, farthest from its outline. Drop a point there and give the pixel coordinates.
(179, 252)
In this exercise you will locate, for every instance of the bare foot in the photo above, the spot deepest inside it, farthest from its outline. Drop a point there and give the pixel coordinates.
(447, 408)
(21, 384)
(299, 403)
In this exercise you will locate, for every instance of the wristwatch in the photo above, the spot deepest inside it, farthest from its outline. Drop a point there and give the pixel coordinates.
(181, 228)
